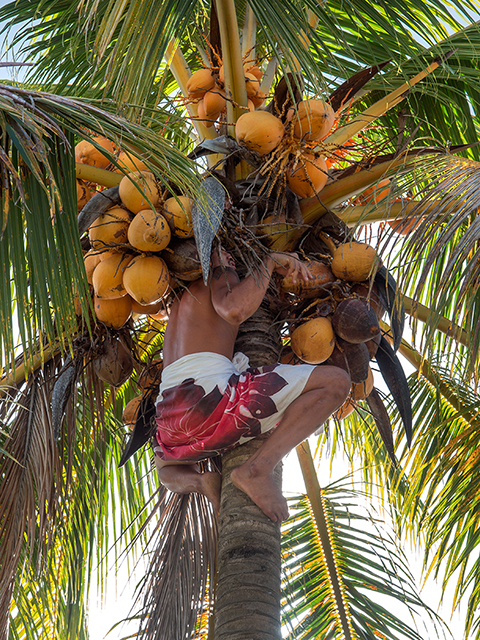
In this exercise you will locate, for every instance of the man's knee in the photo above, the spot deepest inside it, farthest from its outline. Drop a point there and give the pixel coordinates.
(333, 381)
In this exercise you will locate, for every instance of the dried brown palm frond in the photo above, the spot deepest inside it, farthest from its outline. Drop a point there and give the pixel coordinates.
(175, 594)
(27, 492)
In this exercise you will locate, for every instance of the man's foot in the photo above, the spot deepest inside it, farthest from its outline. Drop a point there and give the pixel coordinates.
(262, 489)
(209, 485)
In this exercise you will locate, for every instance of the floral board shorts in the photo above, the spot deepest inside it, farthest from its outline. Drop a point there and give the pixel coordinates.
(208, 404)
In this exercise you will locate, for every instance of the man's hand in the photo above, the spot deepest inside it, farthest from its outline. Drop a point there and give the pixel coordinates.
(288, 264)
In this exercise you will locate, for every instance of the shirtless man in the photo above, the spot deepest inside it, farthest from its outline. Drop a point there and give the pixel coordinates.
(200, 336)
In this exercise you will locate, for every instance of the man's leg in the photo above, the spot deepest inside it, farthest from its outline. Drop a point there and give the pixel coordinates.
(325, 391)
(184, 477)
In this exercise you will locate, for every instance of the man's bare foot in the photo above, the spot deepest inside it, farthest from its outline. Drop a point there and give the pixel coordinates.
(210, 484)
(262, 489)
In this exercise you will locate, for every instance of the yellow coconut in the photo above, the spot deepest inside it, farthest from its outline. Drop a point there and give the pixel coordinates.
(131, 411)
(313, 341)
(128, 163)
(138, 190)
(146, 279)
(199, 82)
(259, 131)
(313, 120)
(107, 278)
(308, 176)
(252, 84)
(115, 312)
(214, 102)
(178, 213)
(149, 231)
(109, 228)
(363, 389)
(84, 194)
(258, 99)
(91, 259)
(353, 261)
(87, 153)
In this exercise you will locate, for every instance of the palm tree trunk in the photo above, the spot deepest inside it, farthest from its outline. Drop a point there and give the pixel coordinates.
(247, 605)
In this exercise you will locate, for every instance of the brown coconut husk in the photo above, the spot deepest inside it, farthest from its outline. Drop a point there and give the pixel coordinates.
(355, 321)
(115, 364)
(352, 358)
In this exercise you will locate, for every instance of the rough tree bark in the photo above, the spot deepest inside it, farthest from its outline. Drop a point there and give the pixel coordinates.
(247, 605)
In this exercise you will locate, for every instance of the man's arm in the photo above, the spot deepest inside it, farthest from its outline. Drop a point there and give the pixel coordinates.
(236, 300)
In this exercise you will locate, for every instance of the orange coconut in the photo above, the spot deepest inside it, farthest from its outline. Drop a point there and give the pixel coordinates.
(377, 192)
(308, 176)
(214, 102)
(107, 277)
(131, 411)
(199, 82)
(138, 189)
(146, 279)
(208, 122)
(115, 312)
(258, 99)
(252, 85)
(259, 131)
(363, 389)
(254, 70)
(322, 278)
(128, 163)
(109, 228)
(84, 194)
(353, 261)
(178, 213)
(147, 309)
(345, 410)
(313, 341)
(149, 231)
(313, 120)
(87, 153)
(91, 259)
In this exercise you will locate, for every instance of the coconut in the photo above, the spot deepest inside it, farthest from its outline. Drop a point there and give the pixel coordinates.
(177, 211)
(146, 279)
(354, 261)
(115, 365)
(131, 411)
(372, 296)
(322, 278)
(377, 192)
(138, 190)
(91, 259)
(372, 345)
(149, 231)
(355, 321)
(183, 261)
(109, 228)
(404, 226)
(363, 389)
(214, 102)
(151, 375)
(308, 175)
(199, 82)
(254, 70)
(313, 120)
(252, 85)
(146, 309)
(352, 358)
(129, 163)
(258, 99)
(115, 312)
(84, 194)
(107, 278)
(345, 410)
(313, 341)
(87, 153)
(208, 122)
(259, 131)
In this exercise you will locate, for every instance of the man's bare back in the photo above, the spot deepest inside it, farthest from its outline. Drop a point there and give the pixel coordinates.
(206, 319)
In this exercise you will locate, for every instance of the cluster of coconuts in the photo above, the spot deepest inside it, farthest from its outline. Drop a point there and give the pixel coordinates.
(87, 153)
(206, 87)
(345, 332)
(310, 122)
(127, 264)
